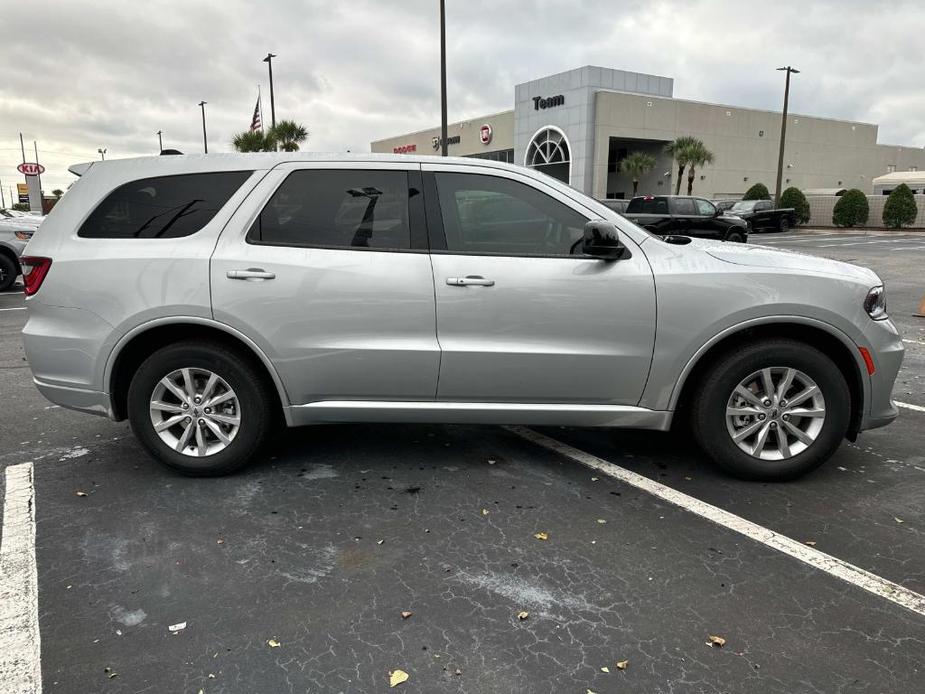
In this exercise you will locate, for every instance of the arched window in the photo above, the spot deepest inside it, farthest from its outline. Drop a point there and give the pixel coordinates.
(548, 152)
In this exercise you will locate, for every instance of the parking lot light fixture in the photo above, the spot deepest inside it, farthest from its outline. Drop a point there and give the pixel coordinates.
(783, 132)
(269, 61)
(205, 141)
(102, 152)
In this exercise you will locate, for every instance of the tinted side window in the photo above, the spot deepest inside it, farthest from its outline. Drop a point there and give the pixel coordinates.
(705, 208)
(761, 206)
(164, 207)
(684, 206)
(337, 208)
(489, 214)
(648, 206)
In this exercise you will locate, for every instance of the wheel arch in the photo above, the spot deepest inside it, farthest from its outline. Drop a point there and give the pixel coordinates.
(144, 340)
(11, 254)
(834, 343)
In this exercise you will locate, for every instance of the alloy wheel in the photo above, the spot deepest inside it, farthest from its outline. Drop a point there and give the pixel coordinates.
(775, 413)
(195, 412)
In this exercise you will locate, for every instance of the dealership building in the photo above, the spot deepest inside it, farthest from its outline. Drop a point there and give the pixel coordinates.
(578, 126)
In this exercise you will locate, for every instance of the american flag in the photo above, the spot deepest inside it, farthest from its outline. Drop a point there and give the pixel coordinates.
(256, 122)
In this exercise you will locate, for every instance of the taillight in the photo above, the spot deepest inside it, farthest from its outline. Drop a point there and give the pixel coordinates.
(34, 271)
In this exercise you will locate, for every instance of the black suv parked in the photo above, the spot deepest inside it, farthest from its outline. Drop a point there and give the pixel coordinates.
(668, 215)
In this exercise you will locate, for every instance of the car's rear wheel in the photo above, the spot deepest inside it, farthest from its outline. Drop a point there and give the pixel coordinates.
(200, 408)
(736, 237)
(8, 272)
(771, 411)
(784, 225)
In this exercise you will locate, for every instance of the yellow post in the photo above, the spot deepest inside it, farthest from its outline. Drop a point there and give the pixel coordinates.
(921, 312)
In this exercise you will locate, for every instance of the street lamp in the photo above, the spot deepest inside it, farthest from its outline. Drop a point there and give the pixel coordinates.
(205, 142)
(443, 124)
(102, 153)
(269, 61)
(160, 142)
(783, 132)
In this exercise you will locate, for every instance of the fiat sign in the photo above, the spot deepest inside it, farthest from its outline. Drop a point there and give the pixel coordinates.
(485, 134)
(31, 169)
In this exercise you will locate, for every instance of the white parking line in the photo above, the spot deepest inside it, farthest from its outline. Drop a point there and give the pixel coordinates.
(20, 645)
(18, 308)
(799, 551)
(914, 342)
(917, 408)
(865, 243)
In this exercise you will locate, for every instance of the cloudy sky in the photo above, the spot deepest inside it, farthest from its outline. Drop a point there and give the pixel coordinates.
(79, 75)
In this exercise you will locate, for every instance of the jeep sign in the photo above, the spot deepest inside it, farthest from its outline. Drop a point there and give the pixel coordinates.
(548, 102)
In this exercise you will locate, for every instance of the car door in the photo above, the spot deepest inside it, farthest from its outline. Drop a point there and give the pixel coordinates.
(520, 318)
(706, 223)
(684, 216)
(762, 219)
(325, 267)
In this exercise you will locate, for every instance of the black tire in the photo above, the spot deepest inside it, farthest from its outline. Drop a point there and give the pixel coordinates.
(708, 413)
(784, 225)
(254, 394)
(735, 237)
(8, 272)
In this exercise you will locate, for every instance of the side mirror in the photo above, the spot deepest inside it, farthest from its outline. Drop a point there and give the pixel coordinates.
(602, 240)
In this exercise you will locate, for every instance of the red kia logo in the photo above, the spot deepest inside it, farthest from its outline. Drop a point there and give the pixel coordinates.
(485, 134)
(30, 169)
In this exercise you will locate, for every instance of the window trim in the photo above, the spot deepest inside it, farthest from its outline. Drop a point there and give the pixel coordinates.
(437, 231)
(417, 225)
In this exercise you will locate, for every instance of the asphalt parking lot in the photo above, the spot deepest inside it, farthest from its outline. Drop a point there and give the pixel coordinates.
(292, 576)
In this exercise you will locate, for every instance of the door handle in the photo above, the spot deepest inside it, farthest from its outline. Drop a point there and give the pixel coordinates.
(251, 273)
(470, 280)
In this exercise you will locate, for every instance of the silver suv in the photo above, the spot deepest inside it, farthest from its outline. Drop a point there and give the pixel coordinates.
(206, 298)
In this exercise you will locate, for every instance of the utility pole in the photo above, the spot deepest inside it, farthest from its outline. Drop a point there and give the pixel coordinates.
(443, 124)
(783, 132)
(160, 142)
(2, 199)
(269, 61)
(205, 142)
(23, 147)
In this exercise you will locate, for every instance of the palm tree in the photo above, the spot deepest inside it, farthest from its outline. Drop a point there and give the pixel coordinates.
(289, 135)
(697, 156)
(678, 149)
(637, 164)
(253, 141)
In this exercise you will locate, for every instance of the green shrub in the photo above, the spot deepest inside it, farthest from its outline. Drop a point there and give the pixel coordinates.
(759, 191)
(793, 197)
(21, 207)
(900, 207)
(851, 209)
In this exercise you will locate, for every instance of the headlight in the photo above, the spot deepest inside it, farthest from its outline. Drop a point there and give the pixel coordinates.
(875, 303)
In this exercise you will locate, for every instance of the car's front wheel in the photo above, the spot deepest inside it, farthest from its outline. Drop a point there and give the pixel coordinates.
(200, 408)
(8, 273)
(736, 237)
(772, 411)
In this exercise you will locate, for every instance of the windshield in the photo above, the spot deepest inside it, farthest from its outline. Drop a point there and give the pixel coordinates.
(744, 206)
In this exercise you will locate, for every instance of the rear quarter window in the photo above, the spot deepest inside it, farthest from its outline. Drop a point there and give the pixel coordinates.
(648, 206)
(164, 207)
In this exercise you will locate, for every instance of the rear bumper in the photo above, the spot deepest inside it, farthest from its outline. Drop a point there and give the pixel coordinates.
(92, 401)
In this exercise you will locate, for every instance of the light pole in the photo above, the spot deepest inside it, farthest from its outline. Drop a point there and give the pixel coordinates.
(102, 153)
(783, 132)
(160, 142)
(443, 125)
(205, 142)
(269, 61)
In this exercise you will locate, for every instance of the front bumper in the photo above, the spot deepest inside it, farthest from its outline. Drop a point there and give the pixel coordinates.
(886, 347)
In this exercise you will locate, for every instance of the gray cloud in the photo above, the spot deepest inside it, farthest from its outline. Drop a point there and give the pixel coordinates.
(109, 74)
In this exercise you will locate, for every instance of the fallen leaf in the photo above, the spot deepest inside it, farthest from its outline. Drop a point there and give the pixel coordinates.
(406, 614)
(485, 511)
(219, 541)
(898, 520)
(396, 677)
(522, 615)
(379, 542)
(716, 641)
(594, 479)
(457, 671)
(491, 461)
(177, 627)
(811, 543)
(591, 691)
(273, 643)
(602, 521)
(541, 536)
(622, 664)
(80, 493)
(605, 669)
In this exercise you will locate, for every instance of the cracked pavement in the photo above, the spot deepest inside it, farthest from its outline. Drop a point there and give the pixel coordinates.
(323, 546)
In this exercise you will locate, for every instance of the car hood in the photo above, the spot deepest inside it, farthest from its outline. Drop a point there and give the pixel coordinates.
(753, 255)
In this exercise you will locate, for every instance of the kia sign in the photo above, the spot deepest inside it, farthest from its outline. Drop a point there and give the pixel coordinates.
(485, 134)
(30, 169)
